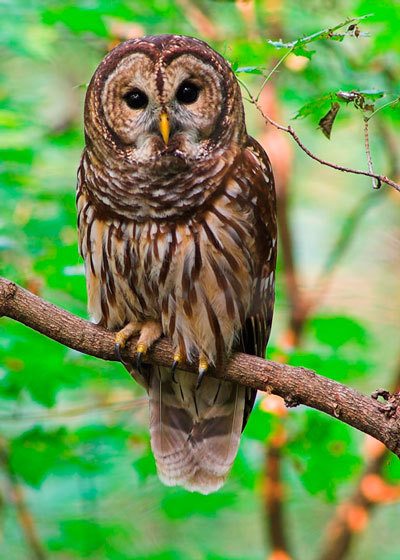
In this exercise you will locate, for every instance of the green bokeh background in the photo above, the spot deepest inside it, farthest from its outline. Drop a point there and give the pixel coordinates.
(74, 429)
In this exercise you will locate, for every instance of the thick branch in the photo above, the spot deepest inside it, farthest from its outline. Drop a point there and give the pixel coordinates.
(296, 385)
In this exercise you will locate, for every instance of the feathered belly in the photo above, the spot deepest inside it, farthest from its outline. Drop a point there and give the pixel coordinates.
(193, 279)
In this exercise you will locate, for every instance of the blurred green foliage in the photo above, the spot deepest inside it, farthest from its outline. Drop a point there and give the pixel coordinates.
(74, 428)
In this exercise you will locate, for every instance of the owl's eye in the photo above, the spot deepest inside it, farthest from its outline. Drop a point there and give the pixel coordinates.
(188, 92)
(136, 99)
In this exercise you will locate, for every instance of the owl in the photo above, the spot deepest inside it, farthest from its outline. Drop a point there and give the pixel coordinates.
(177, 228)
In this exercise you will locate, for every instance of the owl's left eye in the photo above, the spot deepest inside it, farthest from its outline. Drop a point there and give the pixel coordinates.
(188, 92)
(136, 99)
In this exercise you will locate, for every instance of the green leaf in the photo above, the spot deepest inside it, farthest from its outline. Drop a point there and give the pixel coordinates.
(260, 424)
(337, 331)
(303, 51)
(249, 70)
(34, 364)
(90, 538)
(145, 466)
(391, 469)
(175, 505)
(316, 106)
(35, 453)
(325, 454)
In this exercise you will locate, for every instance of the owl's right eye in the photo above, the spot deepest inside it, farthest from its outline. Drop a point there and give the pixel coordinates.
(136, 99)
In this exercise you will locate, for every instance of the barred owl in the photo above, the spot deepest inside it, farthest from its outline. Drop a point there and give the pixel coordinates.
(177, 228)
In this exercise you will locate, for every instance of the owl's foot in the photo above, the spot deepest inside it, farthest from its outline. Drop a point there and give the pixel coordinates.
(122, 337)
(203, 367)
(150, 332)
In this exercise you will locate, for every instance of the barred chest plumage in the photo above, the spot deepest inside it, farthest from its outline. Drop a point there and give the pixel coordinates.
(197, 275)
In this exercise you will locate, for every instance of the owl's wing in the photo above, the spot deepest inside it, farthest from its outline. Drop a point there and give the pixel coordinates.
(257, 172)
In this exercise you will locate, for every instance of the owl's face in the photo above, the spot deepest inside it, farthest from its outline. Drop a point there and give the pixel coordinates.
(163, 101)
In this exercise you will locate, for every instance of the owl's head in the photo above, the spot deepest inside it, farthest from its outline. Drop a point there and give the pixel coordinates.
(165, 99)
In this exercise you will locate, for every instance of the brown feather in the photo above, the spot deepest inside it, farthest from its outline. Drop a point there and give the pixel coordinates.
(194, 434)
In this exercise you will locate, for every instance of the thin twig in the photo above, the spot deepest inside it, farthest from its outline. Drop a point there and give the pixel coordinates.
(293, 134)
(375, 183)
(393, 102)
(274, 69)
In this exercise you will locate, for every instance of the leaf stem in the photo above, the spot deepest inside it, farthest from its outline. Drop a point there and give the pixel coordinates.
(383, 107)
(282, 59)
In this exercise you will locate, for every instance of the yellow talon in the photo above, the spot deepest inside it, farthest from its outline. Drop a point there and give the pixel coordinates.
(203, 367)
(203, 364)
(141, 348)
(175, 364)
(120, 339)
(178, 357)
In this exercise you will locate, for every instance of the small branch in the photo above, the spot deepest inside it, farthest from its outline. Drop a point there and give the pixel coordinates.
(293, 134)
(297, 385)
(375, 183)
(36, 550)
(393, 102)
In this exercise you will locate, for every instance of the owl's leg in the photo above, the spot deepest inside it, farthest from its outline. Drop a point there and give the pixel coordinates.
(203, 367)
(122, 337)
(149, 333)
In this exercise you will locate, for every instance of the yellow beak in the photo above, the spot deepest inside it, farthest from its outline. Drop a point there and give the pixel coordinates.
(164, 126)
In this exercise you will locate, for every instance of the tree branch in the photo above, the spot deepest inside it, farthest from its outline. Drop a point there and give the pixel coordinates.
(297, 385)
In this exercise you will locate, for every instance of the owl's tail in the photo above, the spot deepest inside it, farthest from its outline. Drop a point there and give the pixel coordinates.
(195, 434)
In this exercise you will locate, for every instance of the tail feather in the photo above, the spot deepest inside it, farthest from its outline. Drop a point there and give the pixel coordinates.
(195, 434)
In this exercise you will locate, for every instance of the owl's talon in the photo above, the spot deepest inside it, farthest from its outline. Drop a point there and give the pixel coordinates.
(203, 367)
(139, 362)
(118, 347)
(122, 337)
(117, 351)
(175, 364)
(141, 350)
(173, 370)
